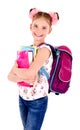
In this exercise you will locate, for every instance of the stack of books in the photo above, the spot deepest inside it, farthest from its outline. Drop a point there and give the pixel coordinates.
(25, 55)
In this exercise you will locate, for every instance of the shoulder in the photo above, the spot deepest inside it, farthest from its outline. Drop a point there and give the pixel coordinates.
(44, 47)
(44, 50)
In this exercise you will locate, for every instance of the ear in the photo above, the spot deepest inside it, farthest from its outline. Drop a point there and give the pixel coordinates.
(30, 26)
(50, 30)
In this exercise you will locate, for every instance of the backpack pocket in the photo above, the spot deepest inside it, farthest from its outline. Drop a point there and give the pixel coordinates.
(65, 70)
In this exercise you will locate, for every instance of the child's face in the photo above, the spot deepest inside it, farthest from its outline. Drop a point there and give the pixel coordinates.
(40, 28)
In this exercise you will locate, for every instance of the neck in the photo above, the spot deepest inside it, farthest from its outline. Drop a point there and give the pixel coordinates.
(37, 43)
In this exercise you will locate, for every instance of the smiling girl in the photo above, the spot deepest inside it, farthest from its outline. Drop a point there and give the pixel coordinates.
(33, 100)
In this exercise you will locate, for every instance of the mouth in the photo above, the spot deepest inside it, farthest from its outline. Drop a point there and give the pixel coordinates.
(38, 35)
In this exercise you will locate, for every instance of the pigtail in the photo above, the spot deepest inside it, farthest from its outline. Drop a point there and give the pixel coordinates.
(33, 12)
(57, 15)
(54, 16)
(31, 9)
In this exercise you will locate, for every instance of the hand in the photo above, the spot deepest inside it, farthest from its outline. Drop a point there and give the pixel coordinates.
(30, 81)
(15, 66)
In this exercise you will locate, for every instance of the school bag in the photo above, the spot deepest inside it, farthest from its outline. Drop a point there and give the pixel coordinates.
(61, 72)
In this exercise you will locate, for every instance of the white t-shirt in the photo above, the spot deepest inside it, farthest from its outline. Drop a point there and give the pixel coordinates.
(41, 86)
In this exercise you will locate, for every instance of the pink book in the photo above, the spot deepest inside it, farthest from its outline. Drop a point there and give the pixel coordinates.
(24, 58)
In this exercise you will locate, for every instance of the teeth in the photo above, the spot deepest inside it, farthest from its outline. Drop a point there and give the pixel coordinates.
(38, 35)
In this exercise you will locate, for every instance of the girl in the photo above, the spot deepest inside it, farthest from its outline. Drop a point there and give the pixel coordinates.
(33, 100)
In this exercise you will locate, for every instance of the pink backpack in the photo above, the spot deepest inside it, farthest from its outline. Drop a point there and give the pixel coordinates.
(60, 75)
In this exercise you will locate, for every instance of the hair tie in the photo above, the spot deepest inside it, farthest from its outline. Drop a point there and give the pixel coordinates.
(32, 12)
(54, 16)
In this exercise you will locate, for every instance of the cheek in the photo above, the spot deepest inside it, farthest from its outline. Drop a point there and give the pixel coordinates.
(47, 32)
(33, 29)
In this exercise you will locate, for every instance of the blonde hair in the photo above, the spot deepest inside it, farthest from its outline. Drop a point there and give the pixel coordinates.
(51, 17)
(40, 14)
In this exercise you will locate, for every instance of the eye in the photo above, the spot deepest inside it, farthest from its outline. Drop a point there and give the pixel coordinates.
(35, 25)
(44, 28)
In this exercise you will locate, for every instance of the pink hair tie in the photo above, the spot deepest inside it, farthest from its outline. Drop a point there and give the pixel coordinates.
(54, 16)
(33, 12)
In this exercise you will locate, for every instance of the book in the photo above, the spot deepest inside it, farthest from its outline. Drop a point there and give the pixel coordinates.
(25, 55)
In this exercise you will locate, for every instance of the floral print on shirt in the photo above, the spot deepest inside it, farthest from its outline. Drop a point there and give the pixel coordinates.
(41, 86)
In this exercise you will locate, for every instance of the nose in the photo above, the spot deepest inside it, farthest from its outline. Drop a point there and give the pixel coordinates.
(38, 30)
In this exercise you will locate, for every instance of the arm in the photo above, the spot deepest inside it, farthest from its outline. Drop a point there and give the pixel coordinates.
(32, 71)
(12, 75)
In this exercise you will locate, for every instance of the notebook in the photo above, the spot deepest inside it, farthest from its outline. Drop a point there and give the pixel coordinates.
(25, 55)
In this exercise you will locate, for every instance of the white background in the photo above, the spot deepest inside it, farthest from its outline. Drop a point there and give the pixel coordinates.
(64, 110)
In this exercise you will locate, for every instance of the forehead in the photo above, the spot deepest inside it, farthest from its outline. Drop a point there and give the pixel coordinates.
(41, 21)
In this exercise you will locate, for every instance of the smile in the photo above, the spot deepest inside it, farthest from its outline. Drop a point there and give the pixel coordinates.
(37, 35)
